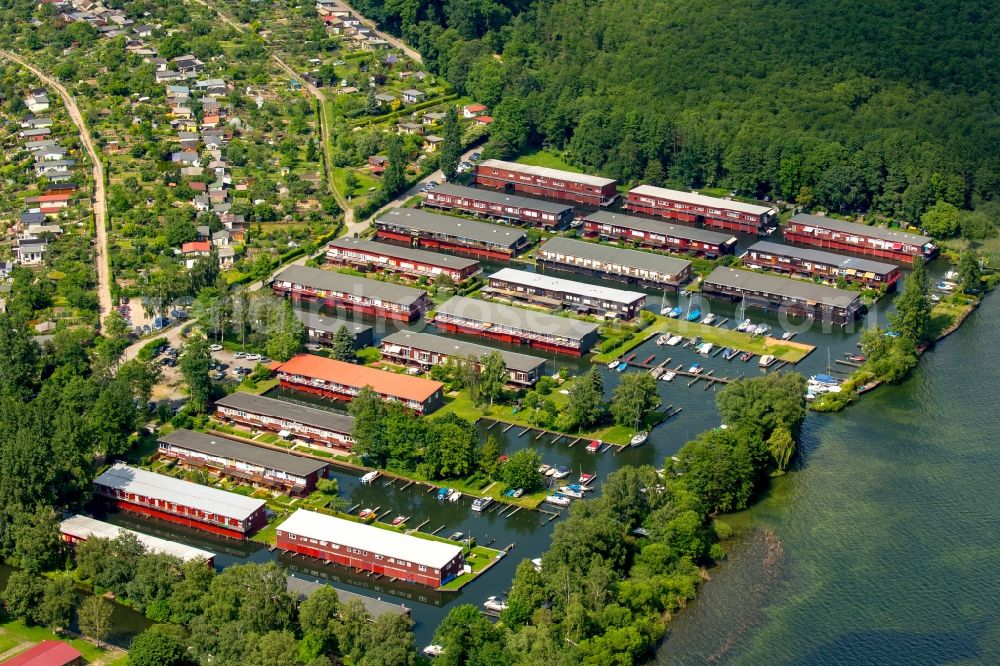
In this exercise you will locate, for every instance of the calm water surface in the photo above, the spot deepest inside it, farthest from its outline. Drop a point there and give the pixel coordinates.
(883, 548)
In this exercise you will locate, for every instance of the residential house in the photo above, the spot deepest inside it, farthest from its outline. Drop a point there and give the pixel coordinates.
(413, 96)
(473, 110)
(30, 251)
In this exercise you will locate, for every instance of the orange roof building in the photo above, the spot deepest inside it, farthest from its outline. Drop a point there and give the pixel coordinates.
(196, 247)
(48, 653)
(343, 381)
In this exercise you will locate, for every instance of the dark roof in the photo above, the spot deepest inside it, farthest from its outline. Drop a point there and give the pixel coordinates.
(403, 252)
(493, 196)
(31, 217)
(820, 257)
(660, 227)
(319, 322)
(311, 416)
(455, 347)
(349, 284)
(781, 286)
(506, 315)
(548, 172)
(375, 607)
(615, 255)
(894, 235)
(241, 451)
(455, 227)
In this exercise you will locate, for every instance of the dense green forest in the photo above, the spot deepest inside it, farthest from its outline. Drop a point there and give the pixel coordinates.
(853, 106)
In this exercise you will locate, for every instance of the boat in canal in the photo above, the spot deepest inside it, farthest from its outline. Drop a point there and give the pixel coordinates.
(456, 536)
(544, 469)
(730, 354)
(594, 446)
(537, 564)
(399, 520)
(709, 319)
(706, 348)
(662, 340)
(622, 366)
(558, 499)
(367, 514)
(788, 335)
(639, 438)
(766, 361)
(614, 364)
(695, 369)
(694, 315)
(824, 380)
(585, 478)
(560, 472)
(454, 496)
(495, 605)
(433, 651)
(675, 312)
(480, 503)
(674, 341)
(443, 493)
(746, 356)
(856, 358)
(744, 325)
(574, 491)
(370, 477)
(668, 376)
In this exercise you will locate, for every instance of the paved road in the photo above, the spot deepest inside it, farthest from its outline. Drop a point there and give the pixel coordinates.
(100, 201)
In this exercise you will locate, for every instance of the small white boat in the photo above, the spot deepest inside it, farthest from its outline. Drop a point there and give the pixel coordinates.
(787, 335)
(662, 340)
(537, 563)
(639, 438)
(558, 499)
(613, 364)
(744, 325)
(668, 376)
(495, 604)
(369, 477)
(550, 471)
(544, 469)
(570, 491)
(706, 348)
(951, 275)
(455, 496)
(560, 472)
(695, 369)
(481, 503)
(766, 361)
(709, 319)
(433, 651)
(674, 341)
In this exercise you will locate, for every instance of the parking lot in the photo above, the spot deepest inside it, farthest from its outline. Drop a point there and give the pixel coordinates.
(230, 365)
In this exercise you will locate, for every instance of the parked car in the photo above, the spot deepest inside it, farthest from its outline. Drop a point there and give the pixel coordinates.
(253, 357)
(240, 354)
(215, 347)
(264, 360)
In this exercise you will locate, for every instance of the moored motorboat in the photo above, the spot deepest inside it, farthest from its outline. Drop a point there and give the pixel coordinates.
(709, 319)
(594, 446)
(730, 354)
(558, 499)
(574, 491)
(856, 358)
(399, 520)
(433, 651)
(481, 503)
(668, 376)
(370, 477)
(788, 335)
(674, 340)
(560, 472)
(695, 369)
(639, 438)
(495, 604)
(455, 496)
(766, 361)
(662, 340)
(746, 356)
(621, 366)
(544, 469)
(744, 325)
(694, 315)
(586, 478)
(706, 348)
(443, 493)
(613, 364)
(366, 514)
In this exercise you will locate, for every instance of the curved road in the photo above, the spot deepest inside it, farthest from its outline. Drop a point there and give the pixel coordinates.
(100, 202)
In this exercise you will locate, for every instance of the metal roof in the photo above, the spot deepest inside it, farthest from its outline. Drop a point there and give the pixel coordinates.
(384, 382)
(566, 286)
(453, 347)
(310, 416)
(237, 451)
(495, 197)
(473, 309)
(320, 322)
(349, 284)
(820, 257)
(403, 252)
(83, 527)
(660, 227)
(895, 235)
(303, 588)
(157, 486)
(547, 172)
(387, 543)
(615, 255)
(455, 227)
(781, 286)
(696, 199)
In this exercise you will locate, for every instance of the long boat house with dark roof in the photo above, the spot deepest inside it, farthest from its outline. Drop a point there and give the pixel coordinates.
(809, 263)
(319, 428)
(841, 236)
(408, 261)
(501, 206)
(795, 297)
(243, 462)
(371, 297)
(321, 329)
(658, 234)
(698, 208)
(426, 350)
(421, 228)
(546, 182)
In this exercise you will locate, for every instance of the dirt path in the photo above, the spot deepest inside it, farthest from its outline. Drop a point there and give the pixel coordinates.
(100, 201)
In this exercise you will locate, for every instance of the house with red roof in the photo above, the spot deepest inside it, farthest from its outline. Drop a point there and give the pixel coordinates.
(473, 110)
(47, 653)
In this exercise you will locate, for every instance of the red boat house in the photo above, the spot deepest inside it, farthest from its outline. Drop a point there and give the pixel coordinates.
(182, 502)
(420, 228)
(501, 206)
(891, 244)
(547, 183)
(320, 428)
(694, 208)
(408, 261)
(658, 234)
(384, 552)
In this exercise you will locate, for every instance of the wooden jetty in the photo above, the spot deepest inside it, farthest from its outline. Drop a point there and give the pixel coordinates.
(437, 530)
(575, 441)
(384, 514)
(848, 363)
(417, 528)
(524, 431)
(353, 508)
(509, 426)
(722, 322)
(408, 484)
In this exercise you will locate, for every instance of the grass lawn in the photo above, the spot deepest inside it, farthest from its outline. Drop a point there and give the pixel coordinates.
(545, 158)
(790, 351)
(478, 560)
(945, 314)
(461, 404)
(262, 387)
(16, 633)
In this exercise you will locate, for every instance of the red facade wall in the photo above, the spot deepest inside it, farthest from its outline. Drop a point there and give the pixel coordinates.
(256, 521)
(505, 337)
(542, 186)
(593, 229)
(335, 301)
(903, 255)
(745, 223)
(396, 264)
